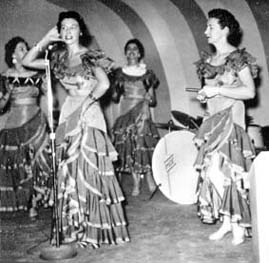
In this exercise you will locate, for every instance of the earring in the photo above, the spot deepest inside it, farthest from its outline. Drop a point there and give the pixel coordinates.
(80, 33)
(14, 61)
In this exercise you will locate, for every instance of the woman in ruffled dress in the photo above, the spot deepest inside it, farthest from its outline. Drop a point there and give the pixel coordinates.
(225, 150)
(90, 198)
(134, 134)
(24, 152)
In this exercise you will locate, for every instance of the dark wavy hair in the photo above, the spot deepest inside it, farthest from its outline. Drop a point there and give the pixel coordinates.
(85, 38)
(10, 48)
(139, 46)
(227, 19)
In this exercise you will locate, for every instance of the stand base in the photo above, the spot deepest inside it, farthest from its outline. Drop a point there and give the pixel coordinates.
(49, 252)
(61, 252)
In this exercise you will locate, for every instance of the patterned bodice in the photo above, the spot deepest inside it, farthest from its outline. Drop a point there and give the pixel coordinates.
(134, 86)
(132, 89)
(23, 87)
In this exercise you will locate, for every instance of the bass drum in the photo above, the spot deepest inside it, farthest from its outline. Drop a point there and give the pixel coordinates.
(172, 165)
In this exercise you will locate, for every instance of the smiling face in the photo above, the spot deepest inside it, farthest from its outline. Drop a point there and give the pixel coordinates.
(214, 32)
(20, 51)
(132, 53)
(70, 31)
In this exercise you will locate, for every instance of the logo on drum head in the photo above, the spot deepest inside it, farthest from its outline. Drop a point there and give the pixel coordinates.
(169, 163)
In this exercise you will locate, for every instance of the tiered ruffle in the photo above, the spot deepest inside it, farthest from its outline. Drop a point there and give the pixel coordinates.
(89, 194)
(24, 164)
(224, 159)
(135, 138)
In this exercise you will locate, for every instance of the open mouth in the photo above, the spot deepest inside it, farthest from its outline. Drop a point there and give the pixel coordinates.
(68, 38)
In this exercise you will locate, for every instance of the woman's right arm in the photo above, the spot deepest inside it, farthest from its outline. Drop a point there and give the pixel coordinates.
(31, 59)
(4, 100)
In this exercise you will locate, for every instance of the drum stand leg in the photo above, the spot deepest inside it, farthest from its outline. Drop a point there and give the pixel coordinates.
(154, 192)
(136, 182)
(150, 181)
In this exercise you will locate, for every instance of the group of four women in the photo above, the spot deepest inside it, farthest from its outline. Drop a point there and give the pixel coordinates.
(90, 197)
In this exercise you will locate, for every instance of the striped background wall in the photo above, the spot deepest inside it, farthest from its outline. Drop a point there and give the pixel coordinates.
(172, 32)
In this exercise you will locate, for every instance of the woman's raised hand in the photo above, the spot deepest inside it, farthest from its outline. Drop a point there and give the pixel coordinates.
(51, 36)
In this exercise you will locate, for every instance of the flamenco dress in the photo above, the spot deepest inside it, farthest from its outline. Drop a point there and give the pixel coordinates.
(225, 151)
(24, 149)
(90, 198)
(134, 134)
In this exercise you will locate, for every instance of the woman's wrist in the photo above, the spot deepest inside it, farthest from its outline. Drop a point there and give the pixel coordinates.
(219, 85)
(40, 45)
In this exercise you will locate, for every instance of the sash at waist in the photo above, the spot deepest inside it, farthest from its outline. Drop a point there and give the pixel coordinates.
(24, 101)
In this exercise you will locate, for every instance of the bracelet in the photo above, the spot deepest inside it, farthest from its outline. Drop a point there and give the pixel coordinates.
(91, 96)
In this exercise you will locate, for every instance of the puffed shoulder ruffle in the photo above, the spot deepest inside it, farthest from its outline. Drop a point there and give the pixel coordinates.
(236, 60)
(89, 60)
(97, 58)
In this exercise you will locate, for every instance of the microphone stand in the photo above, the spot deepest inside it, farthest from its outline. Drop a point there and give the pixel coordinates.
(57, 251)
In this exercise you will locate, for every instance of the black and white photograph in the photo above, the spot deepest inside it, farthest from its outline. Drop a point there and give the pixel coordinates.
(134, 131)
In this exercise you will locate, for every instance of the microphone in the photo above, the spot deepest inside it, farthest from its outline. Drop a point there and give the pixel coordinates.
(52, 46)
(55, 46)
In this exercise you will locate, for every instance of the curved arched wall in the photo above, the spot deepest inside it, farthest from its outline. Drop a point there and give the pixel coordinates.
(171, 30)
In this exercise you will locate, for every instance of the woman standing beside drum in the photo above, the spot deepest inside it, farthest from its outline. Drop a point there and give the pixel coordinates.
(134, 133)
(225, 150)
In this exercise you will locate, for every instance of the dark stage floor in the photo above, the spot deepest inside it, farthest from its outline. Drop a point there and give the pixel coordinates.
(161, 231)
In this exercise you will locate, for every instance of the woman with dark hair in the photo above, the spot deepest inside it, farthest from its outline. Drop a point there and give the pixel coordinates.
(225, 150)
(24, 157)
(134, 133)
(90, 198)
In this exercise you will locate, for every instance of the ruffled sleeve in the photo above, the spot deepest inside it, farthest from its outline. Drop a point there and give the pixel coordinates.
(240, 59)
(204, 69)
(116, 84)
(151, 80)
(200, 64)
(97, 58)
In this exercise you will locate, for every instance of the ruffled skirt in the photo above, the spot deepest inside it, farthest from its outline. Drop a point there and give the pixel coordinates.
(135, 137)
(90, 198)
(224, 159)
(24, 165)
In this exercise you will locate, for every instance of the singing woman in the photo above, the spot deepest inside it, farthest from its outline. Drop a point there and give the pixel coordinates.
(89, 194)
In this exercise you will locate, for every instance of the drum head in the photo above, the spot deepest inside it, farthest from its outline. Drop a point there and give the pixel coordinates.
(172, 165)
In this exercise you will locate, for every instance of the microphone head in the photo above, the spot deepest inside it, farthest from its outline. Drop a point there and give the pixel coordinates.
(56, 46)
